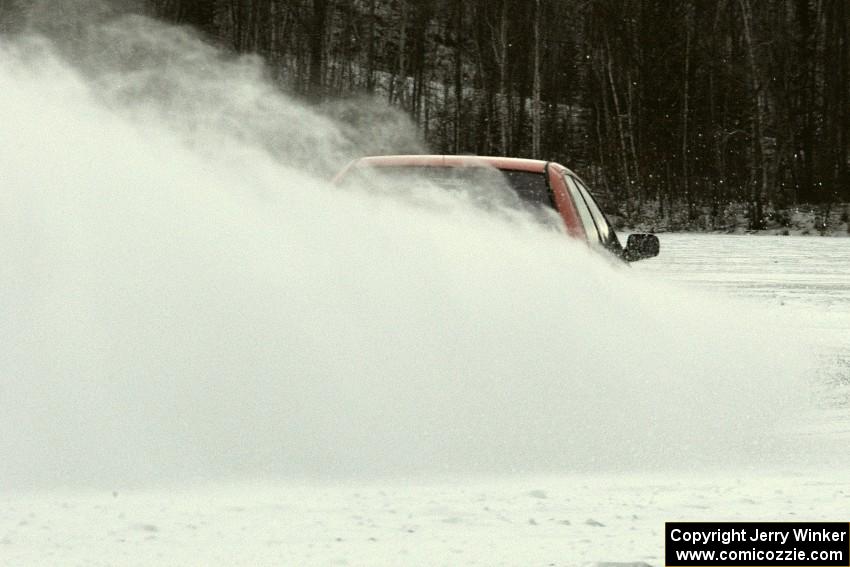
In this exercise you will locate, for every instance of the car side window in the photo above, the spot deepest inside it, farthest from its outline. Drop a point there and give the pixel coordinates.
(606, 232)
(598, 216)
(583, 212)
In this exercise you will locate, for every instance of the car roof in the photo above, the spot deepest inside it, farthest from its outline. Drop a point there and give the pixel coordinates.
(514, 164)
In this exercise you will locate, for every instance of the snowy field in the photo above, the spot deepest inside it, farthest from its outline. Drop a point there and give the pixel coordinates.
(805, 279)
(556, 519)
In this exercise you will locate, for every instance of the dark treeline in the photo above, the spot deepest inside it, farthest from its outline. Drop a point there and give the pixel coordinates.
(677, 103)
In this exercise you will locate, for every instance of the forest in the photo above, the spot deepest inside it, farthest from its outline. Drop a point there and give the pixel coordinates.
(684, 105)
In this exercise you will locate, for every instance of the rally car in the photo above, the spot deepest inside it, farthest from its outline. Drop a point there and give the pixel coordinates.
(543, 184)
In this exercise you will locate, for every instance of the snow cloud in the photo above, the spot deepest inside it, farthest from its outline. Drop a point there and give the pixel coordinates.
(184, 296)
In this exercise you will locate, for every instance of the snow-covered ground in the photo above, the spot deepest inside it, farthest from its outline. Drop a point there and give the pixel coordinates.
(569, 519)
(805, 279)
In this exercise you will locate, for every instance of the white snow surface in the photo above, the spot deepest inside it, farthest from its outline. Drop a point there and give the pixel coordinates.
(557, 519)
(565, 520)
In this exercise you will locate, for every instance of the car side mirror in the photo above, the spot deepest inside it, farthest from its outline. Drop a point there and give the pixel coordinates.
(641, 247)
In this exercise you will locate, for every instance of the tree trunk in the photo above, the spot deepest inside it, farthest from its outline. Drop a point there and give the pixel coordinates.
(536, 88)
(458, 74)
(317, 48)
(759, 171)
(686, 93)
(806, 153)
(844, 101)
(504, 102)
(370, 50)
(618, 119)
(398, 84)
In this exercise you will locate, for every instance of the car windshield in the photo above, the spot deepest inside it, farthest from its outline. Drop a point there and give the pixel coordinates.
(496, 190)
(529, 186)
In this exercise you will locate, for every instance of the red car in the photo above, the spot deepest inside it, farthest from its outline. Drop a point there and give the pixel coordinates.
(539, 183)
